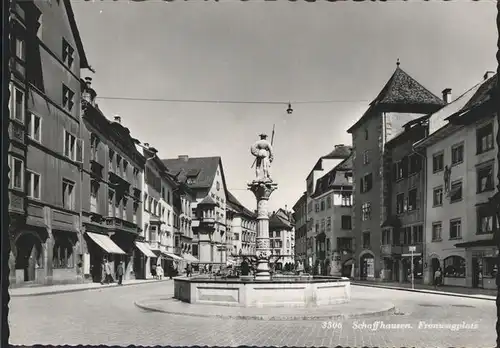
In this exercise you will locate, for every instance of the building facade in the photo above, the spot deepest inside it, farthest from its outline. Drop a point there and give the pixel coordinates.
(242, 224)
(205, 177)
(282, 239)
(112, 193)
(334, 242)
(401, 100)
(300, 217)
(322, 167)
(46, 147)
(461, 167)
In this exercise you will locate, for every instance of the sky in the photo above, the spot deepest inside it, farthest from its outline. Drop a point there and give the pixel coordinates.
(343, 52)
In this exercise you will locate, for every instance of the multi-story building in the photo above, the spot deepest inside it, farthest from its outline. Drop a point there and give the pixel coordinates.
(45, 151)
(205, 177)
(167, 251)
(282, 238)
(300, 217)
(404, 179)
(461, 167)
(333, 234)
(242, 226)
(111, 192)
(184, 198)
(323, 166)
(401, 100)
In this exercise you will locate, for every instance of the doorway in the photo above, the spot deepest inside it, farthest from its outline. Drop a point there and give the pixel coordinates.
(435, 265)
(28, 258)
(477, 276)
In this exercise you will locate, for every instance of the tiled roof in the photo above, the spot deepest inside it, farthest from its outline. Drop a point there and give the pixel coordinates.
(205, 167)
(275, 223)
(339, 152)
(334, 178)
(402, 90)
(483, 94)
(237, 205)
(208, 200)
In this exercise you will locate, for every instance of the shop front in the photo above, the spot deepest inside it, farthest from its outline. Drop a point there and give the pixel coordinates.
(481, 263)
(144, 259)
(367, 267)
(100, 247)
(417, 269)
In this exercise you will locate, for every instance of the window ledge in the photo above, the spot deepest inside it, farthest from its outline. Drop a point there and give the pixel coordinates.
(457, 163)
(456, 201)
(456, 238)
(437, 240)
(437, 171)
(486, 190)
(485, 151)
(437, 205)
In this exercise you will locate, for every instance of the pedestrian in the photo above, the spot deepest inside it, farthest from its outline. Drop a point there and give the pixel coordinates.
(437, 278)
(153, 271)
(103, 272)
(120, 272)
(159, 272)
(170, 270)
(109, 276)
(189, 269)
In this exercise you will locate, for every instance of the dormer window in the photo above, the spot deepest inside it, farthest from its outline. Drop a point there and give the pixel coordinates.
(217, 184)
(190, 181)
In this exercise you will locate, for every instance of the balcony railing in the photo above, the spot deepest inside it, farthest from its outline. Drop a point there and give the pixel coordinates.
(117, 223)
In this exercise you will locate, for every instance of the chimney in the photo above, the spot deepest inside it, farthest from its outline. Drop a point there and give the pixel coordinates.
(88, 94)
(339, 145)
(447, 95)
(118, 119)
(286, 208)
(184, 157)
(488, 74)
(88, 81)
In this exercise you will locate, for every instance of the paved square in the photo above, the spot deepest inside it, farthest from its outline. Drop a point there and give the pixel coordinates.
(109, 316)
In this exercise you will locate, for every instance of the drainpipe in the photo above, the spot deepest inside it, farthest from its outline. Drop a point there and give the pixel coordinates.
(497, 102)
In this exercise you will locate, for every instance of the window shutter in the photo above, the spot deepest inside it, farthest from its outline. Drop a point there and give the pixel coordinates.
(361, 185)
(79, 150)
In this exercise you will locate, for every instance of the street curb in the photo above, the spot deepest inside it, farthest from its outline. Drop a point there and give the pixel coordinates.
(422, 291)
(386, 311)
(63, 291)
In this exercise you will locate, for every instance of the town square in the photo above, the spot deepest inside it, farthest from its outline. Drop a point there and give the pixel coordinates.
(259, 174)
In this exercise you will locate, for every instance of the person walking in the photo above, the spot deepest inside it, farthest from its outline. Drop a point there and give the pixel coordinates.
(189, 269)
(119, 272)
(159, 271)
(437, 278)
(109, 276)
(103, 272)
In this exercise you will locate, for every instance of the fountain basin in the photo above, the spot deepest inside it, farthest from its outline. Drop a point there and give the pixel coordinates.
(280, 292)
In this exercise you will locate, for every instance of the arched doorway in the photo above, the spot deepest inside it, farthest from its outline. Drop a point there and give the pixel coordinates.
(367, 266)
(29, 255)
(435, 265)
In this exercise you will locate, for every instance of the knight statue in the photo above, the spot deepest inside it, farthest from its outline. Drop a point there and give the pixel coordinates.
(263, 151)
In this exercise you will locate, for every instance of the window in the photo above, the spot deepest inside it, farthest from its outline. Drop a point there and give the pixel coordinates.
(317, 227)
(111, 158)
(485, 180)
(153, 233)
(328, 244)
(322, 205)
(316, 207)
(68, 98)
(418, 234)
(366, 211)
(456, 191)
(485, 221)
(111, 203)
(328, 223)
(21, 49)
(484, 136)
(366, 134)
(346, 222)
(415, 163)
(125, 202)
(457, 154)
(412, 200)
(366, 157)
(400, 203)
(63, 256)
(323, 225)
(396, 237)
(366, 240)
(346, 200)
(33, 185)
(406, 232)
(68, 194)
(366, 183)
(328, 202)
(94, 196)
(437, 228)
(437, 162)
(456, 229)
(346, 243)
(34, 126)
(17, 173)
(17, 109)
(489, 267)
(437, 197)
(454, 267)
(68, 53)
(73, 147)
(386, 237)
(94, 147)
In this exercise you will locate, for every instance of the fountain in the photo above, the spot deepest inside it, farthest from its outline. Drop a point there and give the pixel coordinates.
(262, 290)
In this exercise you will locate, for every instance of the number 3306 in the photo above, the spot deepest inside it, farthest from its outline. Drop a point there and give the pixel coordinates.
(331, 325)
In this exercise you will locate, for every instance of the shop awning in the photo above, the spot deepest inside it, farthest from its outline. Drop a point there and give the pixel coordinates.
(144, 248)
(172, 256)
(105, 243)
(190, 258)
(477, 243)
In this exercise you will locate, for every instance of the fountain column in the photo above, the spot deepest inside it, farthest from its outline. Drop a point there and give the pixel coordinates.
(262, 191)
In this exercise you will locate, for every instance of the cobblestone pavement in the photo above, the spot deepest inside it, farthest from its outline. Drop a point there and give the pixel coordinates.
(108, 316)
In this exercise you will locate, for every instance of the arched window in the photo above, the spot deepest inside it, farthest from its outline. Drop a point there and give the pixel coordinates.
(454, 267)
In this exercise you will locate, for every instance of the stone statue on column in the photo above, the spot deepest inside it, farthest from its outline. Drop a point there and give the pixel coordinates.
(263, 152)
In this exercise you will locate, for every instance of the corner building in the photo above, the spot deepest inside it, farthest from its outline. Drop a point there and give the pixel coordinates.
(401, 100)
